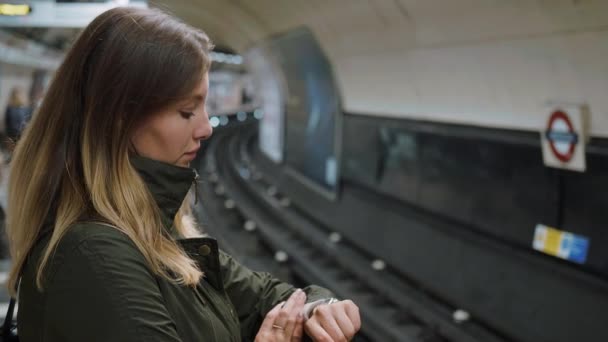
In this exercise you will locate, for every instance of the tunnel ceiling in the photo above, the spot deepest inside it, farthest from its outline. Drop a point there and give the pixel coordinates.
(371, 24)
(469, 61)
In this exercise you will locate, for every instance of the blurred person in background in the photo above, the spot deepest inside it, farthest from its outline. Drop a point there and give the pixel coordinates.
(103, 244)
(17, 114)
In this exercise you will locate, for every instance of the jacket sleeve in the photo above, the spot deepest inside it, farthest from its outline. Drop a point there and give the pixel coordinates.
(255, 293)
(103, 291)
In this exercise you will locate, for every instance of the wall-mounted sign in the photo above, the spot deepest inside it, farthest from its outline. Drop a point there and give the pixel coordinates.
(57, 14)
(564, 245)
(14, 9)
(564, 138)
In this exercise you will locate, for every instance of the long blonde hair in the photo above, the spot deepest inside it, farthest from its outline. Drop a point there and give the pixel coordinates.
(72, 162)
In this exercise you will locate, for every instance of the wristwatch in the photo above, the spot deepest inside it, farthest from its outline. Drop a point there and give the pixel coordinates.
(310, 307)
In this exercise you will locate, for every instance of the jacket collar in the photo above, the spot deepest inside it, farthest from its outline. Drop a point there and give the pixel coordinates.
(169, 184)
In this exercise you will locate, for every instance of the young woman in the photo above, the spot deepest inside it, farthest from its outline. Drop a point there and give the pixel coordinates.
(97, 220)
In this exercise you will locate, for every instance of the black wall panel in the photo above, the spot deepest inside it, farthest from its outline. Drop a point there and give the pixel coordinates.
(475, 180)
(585, 207)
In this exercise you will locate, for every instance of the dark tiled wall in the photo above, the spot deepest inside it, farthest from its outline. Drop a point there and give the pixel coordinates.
(487, 180)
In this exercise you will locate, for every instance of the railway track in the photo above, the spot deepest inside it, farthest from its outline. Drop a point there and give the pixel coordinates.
(261, 226)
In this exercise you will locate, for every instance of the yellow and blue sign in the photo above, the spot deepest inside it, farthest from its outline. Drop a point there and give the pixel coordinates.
(561, 244)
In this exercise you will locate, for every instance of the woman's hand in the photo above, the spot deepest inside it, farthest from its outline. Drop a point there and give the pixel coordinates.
(284, 323)
(335, 322)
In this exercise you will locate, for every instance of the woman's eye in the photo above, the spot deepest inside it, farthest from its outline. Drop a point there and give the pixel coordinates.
(186, 115)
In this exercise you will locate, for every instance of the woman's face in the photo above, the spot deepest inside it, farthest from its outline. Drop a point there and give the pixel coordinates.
(174, 135)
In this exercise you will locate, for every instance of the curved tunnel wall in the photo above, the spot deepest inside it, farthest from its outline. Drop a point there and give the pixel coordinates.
(487, 63)
(455, 207)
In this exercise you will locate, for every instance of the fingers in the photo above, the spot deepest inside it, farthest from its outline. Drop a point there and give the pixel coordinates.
(338, 322)
(298, 331)
(345, 325)
(284, 322)
(328, 317)
(316, 331)
(288, 315)
(352, 311)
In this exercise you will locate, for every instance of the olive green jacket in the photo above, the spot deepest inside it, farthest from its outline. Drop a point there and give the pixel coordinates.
(98, 286)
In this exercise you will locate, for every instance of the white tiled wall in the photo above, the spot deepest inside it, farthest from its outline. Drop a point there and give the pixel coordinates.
(484, 62)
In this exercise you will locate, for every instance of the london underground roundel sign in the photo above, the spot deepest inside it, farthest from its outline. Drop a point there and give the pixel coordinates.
(561, 136)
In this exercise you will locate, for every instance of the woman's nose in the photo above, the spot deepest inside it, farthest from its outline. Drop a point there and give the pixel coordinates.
(203, 129)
